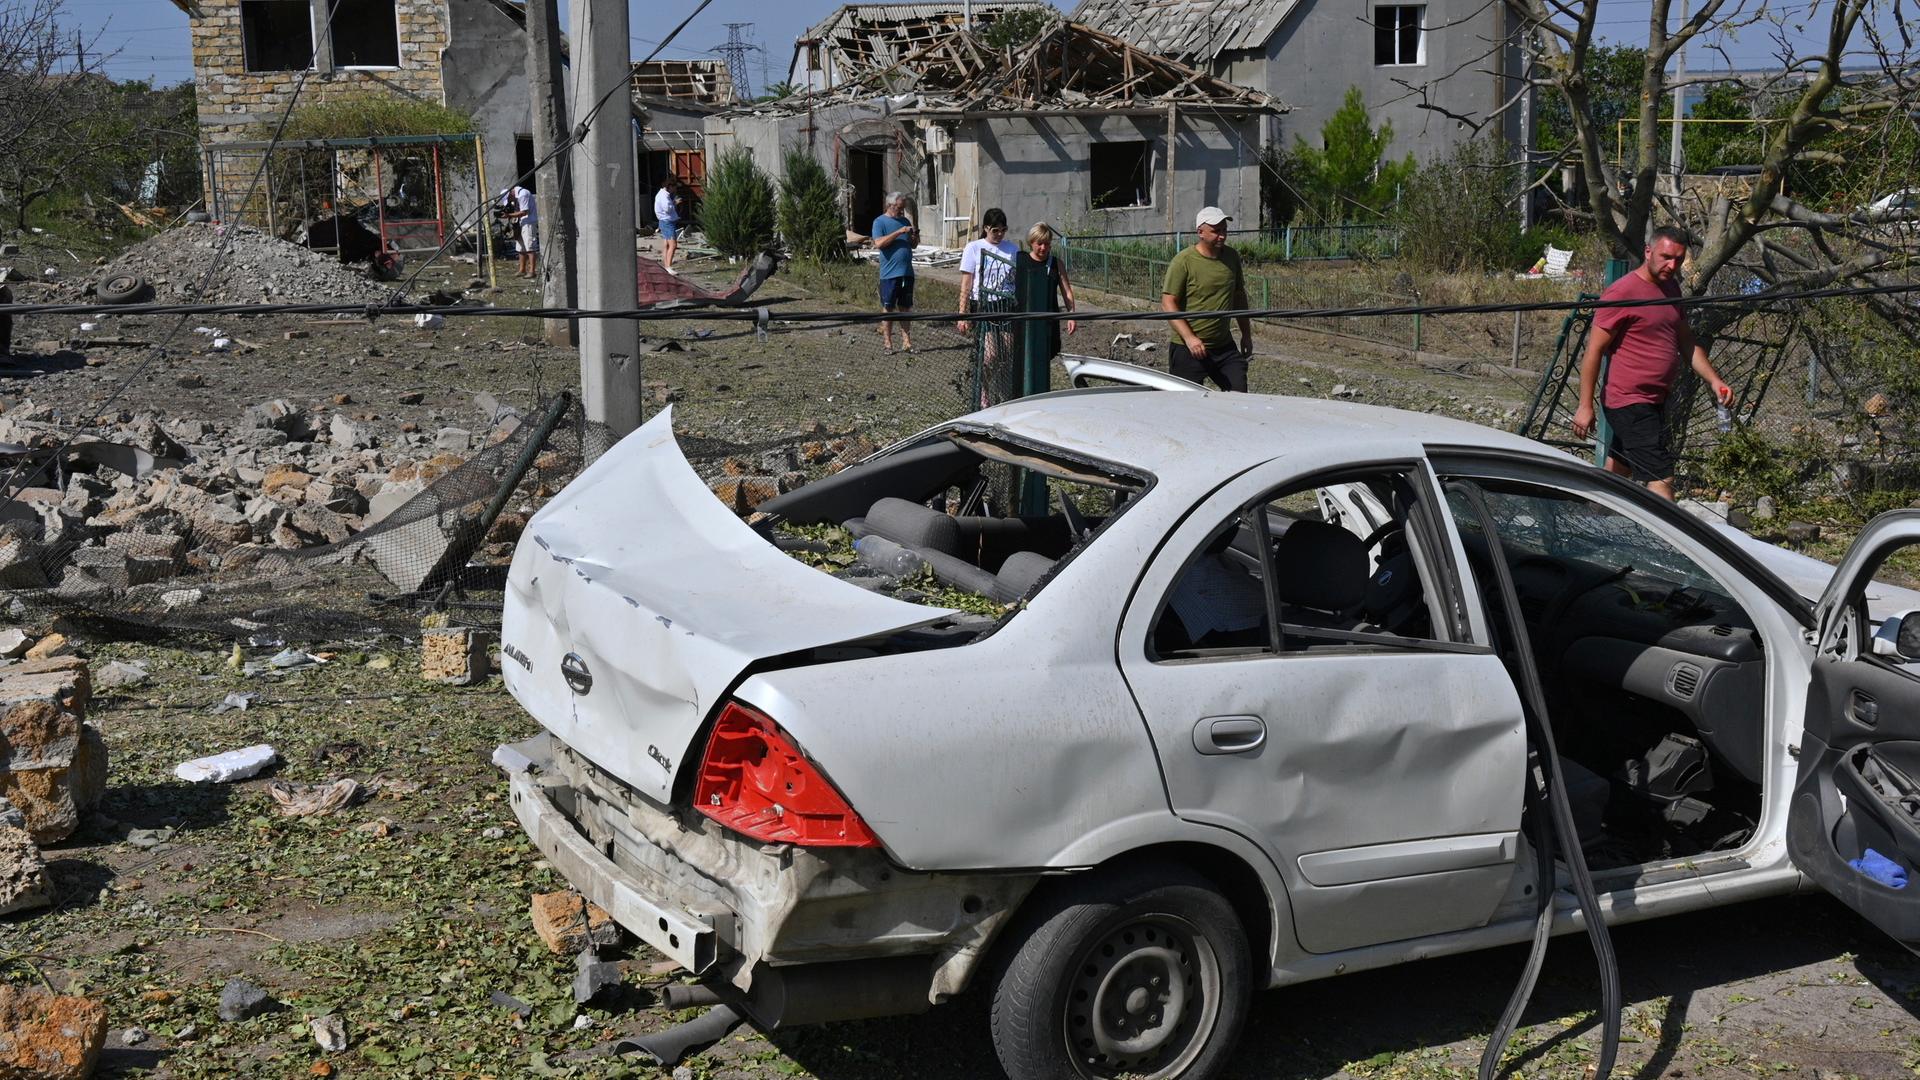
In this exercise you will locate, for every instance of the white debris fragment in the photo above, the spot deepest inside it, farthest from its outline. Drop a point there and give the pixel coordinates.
(427, 320)
(232, 765)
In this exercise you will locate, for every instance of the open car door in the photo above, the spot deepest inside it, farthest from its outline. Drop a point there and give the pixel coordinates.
(1855, 822)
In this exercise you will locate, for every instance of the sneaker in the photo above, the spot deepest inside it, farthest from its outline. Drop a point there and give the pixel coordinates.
(672, 271)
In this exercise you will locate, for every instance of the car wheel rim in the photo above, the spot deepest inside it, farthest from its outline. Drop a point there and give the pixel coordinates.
(1143, 999)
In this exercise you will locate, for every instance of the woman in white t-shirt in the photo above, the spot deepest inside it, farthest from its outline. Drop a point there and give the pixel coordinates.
(986, 269)
(981, 273)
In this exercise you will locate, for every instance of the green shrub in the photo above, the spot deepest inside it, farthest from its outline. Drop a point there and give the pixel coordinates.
(1457, 214)
(738, 212)
(810, 211)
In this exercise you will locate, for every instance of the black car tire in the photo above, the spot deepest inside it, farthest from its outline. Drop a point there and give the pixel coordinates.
(123, 289)
(1086, 987)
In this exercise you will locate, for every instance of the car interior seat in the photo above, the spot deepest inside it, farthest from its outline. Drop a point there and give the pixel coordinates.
(1321, 574)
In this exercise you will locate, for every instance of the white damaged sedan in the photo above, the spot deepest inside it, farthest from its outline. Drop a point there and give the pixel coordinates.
(1234, 700)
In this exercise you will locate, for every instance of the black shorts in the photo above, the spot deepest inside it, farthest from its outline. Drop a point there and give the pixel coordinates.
(1224, 364)
(1637, 435)
(896, 294)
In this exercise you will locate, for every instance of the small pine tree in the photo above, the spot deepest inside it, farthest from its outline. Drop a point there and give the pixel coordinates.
(737, 212)
(809, 211)
(1348, 176)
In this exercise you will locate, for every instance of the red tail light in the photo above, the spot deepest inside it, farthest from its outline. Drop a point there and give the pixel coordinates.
(754, 781)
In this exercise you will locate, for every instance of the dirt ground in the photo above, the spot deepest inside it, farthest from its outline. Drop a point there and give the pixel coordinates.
(407, 914)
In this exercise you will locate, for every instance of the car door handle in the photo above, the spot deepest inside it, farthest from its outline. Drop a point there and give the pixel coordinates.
(1229, 734)
(1863, 709)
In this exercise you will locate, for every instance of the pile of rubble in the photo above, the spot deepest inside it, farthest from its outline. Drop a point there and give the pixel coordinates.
(161, 513)
(254, 267)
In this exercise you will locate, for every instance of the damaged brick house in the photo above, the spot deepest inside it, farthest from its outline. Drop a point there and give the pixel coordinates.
(671, 102)
(1434, 69)
(467, 55)
(1076, 128)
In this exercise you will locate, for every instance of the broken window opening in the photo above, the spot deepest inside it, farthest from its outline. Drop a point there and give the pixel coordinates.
(276, 35)
(1399, 37)
(366, 34)
(1122, 174)
(940, 523)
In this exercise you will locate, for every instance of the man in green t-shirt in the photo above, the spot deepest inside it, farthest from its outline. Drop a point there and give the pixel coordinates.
(1208, 277)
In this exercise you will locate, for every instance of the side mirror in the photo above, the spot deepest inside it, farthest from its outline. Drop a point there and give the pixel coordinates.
(1898, 635)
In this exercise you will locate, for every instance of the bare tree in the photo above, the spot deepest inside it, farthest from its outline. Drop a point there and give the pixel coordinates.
(54, 99)
(1845, 77)
(1849, 81)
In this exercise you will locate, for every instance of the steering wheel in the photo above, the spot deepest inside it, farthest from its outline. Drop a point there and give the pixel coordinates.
(1380, 534)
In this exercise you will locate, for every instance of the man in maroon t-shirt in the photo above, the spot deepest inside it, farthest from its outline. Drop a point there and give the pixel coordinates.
(1644, 346)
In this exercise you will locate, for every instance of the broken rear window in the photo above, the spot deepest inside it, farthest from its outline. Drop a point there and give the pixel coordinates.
(969, 519)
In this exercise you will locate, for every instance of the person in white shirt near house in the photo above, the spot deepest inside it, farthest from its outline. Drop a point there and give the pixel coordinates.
(666, 208)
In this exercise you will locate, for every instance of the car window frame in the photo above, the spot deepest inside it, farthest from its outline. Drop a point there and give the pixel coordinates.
(1432, 556)
(1475, 462)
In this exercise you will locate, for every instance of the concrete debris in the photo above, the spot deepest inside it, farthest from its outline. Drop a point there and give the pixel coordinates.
(456, 656)
(593, 978)
(47, 1036)
(53, 764)
(120, 674)
(134, 1036)
(570, 923)
(315, 800)
(227, 767)
(241, 1000)
(14, 643)
(24, 882)
(254, 266)
(329, 1032)
(1763, 508)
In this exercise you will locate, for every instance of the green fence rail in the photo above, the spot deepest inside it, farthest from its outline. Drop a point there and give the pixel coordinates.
(1295, 243)
(1141, 276)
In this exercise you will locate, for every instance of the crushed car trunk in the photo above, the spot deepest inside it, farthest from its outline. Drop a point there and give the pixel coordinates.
(638, 600)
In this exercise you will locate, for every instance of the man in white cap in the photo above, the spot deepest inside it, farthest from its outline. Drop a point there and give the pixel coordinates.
(1208, 277)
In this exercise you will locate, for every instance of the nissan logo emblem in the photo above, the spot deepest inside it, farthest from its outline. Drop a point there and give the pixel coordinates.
(574, 670)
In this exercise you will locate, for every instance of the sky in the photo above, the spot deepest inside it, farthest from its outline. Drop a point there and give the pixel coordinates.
(148, 38)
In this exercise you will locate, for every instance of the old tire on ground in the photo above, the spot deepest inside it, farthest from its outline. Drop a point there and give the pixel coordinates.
(1143, 971)
(123, 289)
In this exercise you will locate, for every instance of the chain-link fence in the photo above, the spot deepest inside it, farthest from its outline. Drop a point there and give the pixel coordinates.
(1114, 269)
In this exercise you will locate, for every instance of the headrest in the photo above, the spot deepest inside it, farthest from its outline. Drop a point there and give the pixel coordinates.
(1021, 570)
(1320, 566)
(915, 526)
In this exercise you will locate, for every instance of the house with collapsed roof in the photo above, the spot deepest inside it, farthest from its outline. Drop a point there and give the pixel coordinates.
(857, 38)
(468, 55)
(671, 102)
(1076, 128)
(1437, 70)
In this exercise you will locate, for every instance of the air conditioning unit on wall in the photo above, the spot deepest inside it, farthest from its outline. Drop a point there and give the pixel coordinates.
(939, 140)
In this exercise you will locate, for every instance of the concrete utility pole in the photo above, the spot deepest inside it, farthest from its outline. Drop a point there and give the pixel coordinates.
(603, 185)
(553, 180)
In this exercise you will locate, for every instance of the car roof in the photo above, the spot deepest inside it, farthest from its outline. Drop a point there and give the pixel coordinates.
(1213, 433)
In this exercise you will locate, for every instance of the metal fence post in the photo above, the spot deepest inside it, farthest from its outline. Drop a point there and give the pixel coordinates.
(1286, 245)
(1266, 292)
(1602, 431)
(1416, 331)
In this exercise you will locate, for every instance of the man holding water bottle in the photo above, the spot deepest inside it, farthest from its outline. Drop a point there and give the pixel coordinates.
(1644, 347)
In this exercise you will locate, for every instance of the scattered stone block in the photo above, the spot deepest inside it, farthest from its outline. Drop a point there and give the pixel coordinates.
(241, 1000)
(24, 883)
(47, 1036)
(456, 656)
(345, 433)
(453, 439)
(594, 978)
(1763, 508)
(53, 764)
(55, 644)
(569, 923)
(1801, 532)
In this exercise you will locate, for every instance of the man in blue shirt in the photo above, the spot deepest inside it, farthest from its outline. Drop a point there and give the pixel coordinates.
(894, 236)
